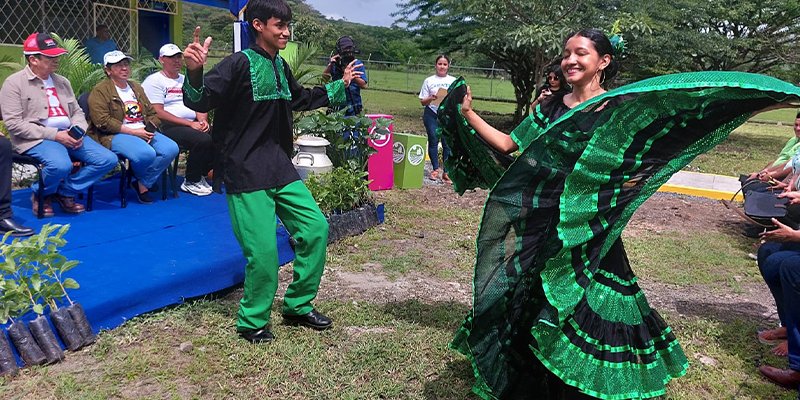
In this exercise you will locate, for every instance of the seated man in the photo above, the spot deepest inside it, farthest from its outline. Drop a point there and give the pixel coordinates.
(39, 107)
(780, 169)
(186, 127)
(779, 262)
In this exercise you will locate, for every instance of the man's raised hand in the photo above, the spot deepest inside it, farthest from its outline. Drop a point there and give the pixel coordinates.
(196, 54)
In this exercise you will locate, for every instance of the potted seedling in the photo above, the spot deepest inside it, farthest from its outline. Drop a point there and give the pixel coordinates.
(70, 321)
(23, 259)
(8, 364)
(15, 305)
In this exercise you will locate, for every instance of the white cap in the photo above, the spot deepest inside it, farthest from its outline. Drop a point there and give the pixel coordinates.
(169, 50)
(113, 57)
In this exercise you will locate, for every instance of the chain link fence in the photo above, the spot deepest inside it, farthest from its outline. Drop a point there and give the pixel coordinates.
(77, 18)
(489, 83)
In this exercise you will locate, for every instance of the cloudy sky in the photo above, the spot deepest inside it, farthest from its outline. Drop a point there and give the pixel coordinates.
(368, 12)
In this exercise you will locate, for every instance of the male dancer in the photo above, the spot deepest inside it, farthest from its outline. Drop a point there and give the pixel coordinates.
(254, 93)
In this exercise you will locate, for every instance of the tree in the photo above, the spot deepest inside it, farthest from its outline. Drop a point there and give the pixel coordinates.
(735, 35)
(521, 36)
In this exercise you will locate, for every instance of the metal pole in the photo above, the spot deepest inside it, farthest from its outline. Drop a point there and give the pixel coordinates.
(491, 80)
(408, 74)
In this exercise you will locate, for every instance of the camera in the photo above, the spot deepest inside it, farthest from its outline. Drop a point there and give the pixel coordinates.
(346, 50)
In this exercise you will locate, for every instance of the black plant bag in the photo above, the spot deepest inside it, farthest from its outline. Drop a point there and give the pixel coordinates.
(46, 339)
(28, 349)
(8, 365)
(67, 329)
(82, 323)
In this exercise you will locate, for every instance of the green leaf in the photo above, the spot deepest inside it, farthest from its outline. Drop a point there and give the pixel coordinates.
(70, 283)
(38, 309)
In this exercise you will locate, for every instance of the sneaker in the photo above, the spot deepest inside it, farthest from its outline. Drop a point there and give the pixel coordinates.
(205, 184)
(195, 188)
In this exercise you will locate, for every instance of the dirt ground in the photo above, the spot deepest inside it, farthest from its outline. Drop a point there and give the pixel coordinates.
(661, 212)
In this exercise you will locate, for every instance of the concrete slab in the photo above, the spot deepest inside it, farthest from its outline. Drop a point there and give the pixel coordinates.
(712, 186)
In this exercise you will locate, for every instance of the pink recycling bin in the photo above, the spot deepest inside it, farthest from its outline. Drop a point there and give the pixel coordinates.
(380, 166)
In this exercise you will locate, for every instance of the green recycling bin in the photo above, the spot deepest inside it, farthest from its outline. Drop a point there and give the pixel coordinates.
(408, 154)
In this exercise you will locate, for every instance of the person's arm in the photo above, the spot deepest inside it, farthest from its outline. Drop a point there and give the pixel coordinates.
(329, 68)
(11, 104)
(332, 94)
(497, 139)
(425, 95)
(782, 233)
(201, 93)
(360, 80)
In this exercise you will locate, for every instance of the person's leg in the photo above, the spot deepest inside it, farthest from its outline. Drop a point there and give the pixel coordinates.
(56, 165)
(304, 221)
(430, 122)
(5, 178)
(790, 282)
(98, 161)
(201, 151)
(771, 256)
(165, 150)
(140, 154)
(253, 220)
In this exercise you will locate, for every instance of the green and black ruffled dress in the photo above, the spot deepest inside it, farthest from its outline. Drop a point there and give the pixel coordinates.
(557, 312)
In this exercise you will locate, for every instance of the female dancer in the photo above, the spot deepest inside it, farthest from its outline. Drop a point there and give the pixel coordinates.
(427, 97)
(556, 308)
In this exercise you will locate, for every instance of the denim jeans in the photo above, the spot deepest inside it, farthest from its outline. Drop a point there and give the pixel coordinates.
(148, 160)
(780, 266)
(57, 165)
(429, 118)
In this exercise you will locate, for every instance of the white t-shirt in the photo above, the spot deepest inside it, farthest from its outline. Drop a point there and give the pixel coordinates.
(57, 117)
(133, 110)
(167, 91)
(432, 84)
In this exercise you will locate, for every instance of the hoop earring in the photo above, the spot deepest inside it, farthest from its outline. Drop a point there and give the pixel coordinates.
(602, 76)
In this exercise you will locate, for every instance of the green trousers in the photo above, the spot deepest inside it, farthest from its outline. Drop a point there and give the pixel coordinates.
(253, 220)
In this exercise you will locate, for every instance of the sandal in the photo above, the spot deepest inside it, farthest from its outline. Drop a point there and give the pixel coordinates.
(772, 336)
(446, 179)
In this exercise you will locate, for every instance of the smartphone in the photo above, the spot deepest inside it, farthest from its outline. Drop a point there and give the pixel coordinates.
(76, 132)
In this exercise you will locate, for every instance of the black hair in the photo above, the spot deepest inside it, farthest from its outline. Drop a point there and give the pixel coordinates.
(798, 115)
(603, 47)
(442, 56)
(556, 69)
(263, 10)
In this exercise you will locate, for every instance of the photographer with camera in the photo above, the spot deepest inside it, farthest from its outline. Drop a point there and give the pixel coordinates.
(345, 54)
(554, 83)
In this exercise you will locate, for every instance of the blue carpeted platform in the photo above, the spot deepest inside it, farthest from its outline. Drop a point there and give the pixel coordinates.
(145, 257)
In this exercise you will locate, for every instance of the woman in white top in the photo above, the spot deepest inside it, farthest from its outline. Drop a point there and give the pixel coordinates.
(430, 98)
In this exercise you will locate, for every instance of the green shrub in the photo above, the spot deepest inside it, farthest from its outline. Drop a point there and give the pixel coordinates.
(342, 189)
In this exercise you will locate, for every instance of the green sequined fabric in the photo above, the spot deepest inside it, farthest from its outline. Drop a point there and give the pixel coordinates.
(336, 93)
(557, 310)
(266, 84)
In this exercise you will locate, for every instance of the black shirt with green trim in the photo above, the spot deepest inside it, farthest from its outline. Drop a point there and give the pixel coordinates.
(254, 95)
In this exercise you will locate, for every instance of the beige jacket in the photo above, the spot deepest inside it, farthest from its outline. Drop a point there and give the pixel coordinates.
(24, 105)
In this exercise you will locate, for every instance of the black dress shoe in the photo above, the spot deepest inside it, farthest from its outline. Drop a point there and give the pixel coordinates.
(17, 230)
(312, 320)
(143, 198)
(256, 336)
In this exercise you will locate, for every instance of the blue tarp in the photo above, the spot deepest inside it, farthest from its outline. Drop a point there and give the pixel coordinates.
(145, 257)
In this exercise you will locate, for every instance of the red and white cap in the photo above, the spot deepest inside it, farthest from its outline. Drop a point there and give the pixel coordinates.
(41, 43)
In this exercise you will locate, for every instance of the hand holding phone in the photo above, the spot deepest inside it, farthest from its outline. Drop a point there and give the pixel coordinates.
(76, 132)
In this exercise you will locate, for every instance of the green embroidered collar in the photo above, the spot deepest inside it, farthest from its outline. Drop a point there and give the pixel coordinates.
(263, 77)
